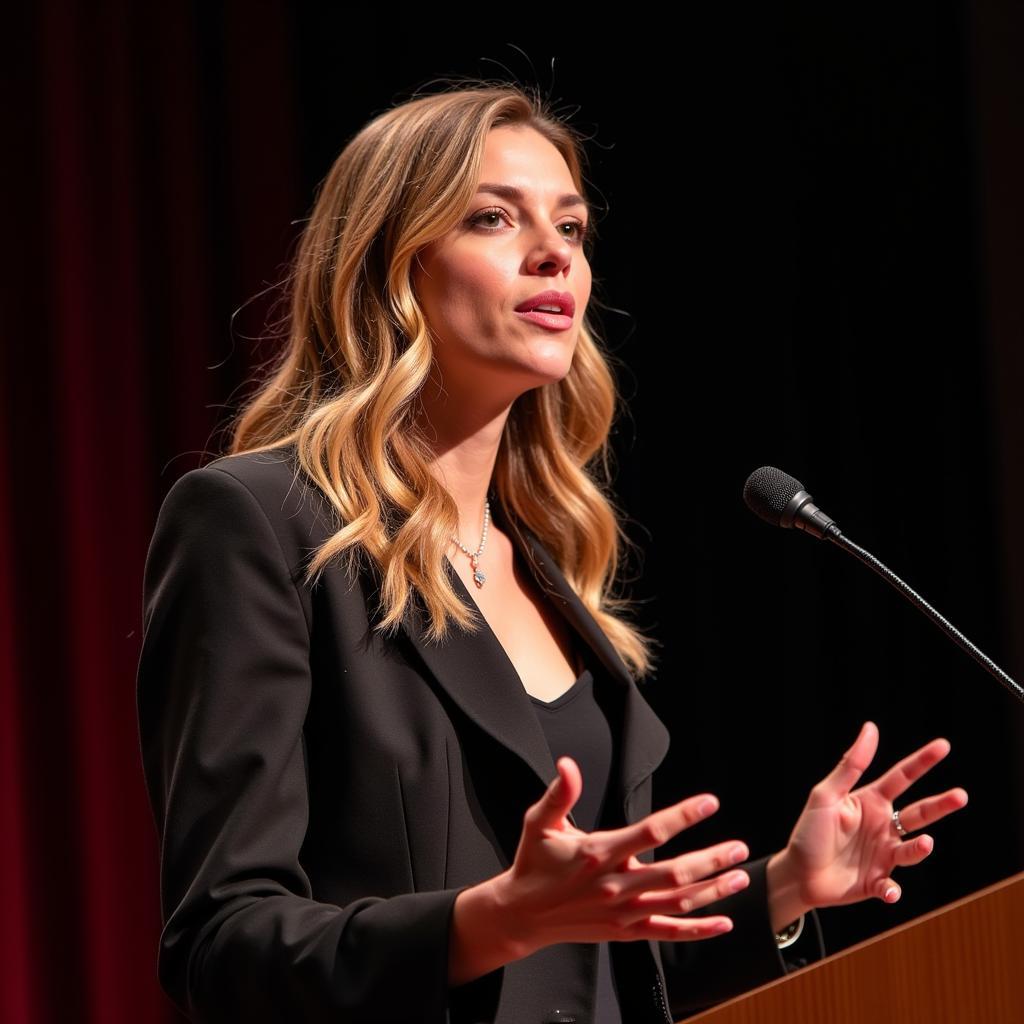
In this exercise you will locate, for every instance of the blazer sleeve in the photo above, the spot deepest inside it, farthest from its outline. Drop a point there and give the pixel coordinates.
(222, 691)
(702, 973)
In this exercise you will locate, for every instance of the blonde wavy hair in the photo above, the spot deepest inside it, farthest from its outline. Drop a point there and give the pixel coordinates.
(343, 389)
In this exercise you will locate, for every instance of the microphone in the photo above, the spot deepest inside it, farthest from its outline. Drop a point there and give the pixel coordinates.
(780, 499)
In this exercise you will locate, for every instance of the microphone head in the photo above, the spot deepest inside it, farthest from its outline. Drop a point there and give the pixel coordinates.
(768, 492)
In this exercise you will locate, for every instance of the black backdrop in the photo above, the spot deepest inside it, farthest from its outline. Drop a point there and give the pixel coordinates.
(809, 256)
(793, 257)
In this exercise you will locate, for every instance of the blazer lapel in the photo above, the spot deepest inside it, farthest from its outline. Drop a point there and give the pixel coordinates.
(644, 737)
(480, 677)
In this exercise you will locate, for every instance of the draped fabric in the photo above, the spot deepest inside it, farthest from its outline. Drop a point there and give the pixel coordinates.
(159, 161)
(139, 137)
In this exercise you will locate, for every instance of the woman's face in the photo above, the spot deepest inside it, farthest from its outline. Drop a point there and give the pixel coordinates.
(507, 249)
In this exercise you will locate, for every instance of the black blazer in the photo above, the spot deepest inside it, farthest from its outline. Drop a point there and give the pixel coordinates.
(322, 795)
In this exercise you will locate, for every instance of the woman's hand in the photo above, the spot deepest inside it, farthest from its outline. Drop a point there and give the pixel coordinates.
(844, 845)
(566, 885)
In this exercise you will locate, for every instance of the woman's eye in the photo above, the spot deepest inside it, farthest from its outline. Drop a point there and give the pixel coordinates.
(483, 215)
(487, 218)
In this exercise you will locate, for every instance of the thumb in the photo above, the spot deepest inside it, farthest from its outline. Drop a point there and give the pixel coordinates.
(853, 763)
(560, 797)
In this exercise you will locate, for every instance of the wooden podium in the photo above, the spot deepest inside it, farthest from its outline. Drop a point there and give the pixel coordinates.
(961, 964)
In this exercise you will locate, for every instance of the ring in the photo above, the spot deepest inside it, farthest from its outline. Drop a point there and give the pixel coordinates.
(897, 823)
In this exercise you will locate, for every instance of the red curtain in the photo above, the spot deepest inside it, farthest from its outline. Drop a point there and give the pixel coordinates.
(153, 157)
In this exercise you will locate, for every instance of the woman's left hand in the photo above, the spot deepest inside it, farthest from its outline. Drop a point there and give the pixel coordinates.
(844, 845)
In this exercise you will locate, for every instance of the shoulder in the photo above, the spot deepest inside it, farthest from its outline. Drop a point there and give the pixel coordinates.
(275, 481)
(270, 477)
(252, 487)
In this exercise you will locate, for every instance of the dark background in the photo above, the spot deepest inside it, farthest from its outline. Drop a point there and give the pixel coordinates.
(809, 256)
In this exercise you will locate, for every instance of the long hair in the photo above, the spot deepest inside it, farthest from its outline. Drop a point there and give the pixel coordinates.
(344, 388)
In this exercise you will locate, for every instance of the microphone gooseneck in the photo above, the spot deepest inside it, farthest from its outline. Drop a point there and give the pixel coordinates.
(781, 500)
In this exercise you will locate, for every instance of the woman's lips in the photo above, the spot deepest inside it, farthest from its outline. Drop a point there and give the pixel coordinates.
(552, 321)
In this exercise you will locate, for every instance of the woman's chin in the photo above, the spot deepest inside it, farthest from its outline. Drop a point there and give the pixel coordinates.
(552, 361)
(552, 372)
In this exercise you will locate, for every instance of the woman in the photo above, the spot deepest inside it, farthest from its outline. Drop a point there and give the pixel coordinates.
(398, 759)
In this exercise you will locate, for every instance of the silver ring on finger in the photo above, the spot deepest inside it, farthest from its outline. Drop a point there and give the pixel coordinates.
(897, 824)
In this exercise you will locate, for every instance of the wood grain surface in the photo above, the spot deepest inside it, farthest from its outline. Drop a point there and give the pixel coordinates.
(961, 964)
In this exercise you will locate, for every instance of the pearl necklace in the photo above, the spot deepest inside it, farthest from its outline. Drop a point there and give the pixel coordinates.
(474, 556)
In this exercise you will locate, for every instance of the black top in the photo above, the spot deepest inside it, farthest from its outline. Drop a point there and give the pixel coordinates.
(579, 980)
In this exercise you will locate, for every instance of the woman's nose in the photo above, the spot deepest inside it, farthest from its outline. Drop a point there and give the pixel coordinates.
(551, 248)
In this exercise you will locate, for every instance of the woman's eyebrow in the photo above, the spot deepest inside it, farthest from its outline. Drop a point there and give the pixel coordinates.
(517, 194)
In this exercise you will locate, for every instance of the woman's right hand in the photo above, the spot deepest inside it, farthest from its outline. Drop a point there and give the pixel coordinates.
(567, 885)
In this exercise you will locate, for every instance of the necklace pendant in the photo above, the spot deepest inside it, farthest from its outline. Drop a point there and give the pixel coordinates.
(478, 577)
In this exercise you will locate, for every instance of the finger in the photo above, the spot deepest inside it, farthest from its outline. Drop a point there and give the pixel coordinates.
(925, 812)
(852, 765)
(904, 773)
(913, 851)
(685, 869)
(887, 890)
(559, 798)
(682, 929)
(619, 844)
(692, 897)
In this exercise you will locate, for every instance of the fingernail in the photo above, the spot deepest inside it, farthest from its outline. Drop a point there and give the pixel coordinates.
(722, 926)
(891, 894)
(740, 881)
(707, 807)
(737, 854)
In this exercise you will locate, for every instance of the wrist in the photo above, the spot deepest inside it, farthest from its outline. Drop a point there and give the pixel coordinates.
(486, 931)
(508, 917)
(784, 900)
